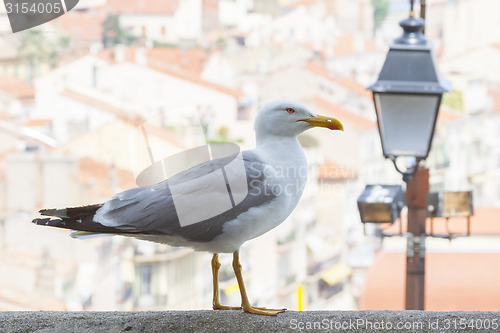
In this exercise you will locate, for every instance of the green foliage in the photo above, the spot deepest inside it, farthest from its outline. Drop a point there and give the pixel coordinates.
(380, 10)
(454, 100)
(163, 45)
(33, 46)
(223, 140)
(113, 33)
(36, 47)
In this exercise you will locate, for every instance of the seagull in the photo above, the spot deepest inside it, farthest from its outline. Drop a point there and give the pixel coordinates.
(191, 209)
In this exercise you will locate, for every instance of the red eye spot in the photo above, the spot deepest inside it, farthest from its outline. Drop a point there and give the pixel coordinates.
(290, 110)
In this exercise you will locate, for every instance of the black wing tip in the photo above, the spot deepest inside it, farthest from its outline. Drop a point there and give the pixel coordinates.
(47, 211)
(77, 212)
(46, 221)
(76, 225)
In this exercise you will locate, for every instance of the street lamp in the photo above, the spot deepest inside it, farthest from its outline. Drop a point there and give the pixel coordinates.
(381, 204)
(407, 96)
(447, 205)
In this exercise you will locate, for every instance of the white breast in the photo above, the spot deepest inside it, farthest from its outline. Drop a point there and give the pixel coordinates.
(287, 178)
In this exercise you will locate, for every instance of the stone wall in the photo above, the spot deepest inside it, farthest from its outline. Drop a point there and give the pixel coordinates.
(237, 321)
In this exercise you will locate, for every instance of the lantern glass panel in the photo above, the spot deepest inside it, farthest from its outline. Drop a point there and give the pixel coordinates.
(406, 122)
(457, 204)
(376, 212)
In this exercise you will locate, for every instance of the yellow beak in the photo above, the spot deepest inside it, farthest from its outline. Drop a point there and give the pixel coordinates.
(322, 121)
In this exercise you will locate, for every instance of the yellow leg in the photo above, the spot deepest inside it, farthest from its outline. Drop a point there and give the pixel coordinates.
(245, 304)
(215, 274)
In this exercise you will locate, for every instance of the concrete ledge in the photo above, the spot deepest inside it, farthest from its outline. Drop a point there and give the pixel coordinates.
(237, 321)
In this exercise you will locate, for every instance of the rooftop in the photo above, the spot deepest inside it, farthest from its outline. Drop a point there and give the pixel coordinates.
(329, 170)
(17, 88)
(347, 116)
(95, 102)
(342, 80)
(92, 171)
(153, 7)
(189, 60)
(82, 25)
(183, 64)
(346, 44)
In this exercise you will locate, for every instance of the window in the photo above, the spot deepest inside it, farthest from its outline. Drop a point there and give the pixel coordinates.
(145, 273)
(479, 191)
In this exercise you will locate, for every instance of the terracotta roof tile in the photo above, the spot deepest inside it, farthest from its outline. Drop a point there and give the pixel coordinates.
(183, 64)
(164, 68)
(109, 55)
(122, 115)
(333, 171)
(305, 3)
(37, 122)
(92, 171)
(344, 44)
(342, 80)
(210, 4)
(82, 25)
(17, 88)
(190, 60)
(154, 7)
(95, 102)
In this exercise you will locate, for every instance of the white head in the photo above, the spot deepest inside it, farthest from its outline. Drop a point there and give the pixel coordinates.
(289, 118)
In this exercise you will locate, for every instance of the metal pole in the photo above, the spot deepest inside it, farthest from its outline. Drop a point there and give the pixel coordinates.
(422, 13)
(416, 191)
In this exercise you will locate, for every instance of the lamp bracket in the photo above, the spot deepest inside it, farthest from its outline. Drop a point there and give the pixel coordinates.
(415, 244)
(408, 173)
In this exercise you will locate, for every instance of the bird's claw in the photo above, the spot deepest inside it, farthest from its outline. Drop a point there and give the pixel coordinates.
(218, 306)
(262, 311)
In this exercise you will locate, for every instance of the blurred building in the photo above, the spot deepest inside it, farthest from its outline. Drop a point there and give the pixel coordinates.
(168, 22)
(459, 273)
(65, 140)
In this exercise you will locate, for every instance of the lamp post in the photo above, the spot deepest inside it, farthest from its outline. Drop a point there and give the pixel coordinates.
(407, 96)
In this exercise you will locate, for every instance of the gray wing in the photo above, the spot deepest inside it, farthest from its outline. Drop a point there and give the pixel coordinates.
(151, 210)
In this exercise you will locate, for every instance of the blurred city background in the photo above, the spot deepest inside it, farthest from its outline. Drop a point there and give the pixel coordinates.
(74, 90)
